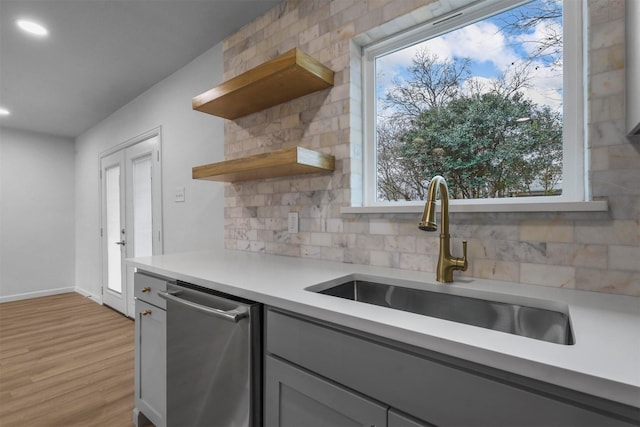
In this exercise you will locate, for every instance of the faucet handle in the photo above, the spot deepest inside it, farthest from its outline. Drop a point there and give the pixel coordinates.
(465, 264)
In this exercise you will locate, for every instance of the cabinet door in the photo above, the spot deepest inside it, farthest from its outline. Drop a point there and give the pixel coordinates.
(297, 398)
(397, 419)
(150, 361)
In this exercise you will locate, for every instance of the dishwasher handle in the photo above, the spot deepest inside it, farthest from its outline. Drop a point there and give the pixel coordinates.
(234, 315)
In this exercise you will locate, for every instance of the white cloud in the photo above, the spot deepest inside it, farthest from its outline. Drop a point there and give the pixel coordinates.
(533, 40)
(546, 88)
(484, 43)
(481, 42)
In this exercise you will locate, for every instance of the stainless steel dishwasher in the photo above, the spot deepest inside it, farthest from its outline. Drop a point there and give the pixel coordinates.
(214, 358)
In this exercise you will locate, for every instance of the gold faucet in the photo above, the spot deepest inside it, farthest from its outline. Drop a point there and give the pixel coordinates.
(446, 262)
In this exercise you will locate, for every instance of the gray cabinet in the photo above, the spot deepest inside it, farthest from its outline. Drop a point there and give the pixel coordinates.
(396, 419)
(297, 398)
(428, 387)
(150, 351)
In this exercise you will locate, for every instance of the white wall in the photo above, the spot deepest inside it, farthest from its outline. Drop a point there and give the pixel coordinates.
(37, 230)
(189, 138)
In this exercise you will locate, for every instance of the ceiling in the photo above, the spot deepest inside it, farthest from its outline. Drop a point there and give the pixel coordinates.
(101, 54)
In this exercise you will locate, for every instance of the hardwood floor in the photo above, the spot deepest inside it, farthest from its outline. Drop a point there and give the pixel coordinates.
(65, 361)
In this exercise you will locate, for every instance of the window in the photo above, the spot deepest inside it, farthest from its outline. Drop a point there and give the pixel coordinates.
(489, 96)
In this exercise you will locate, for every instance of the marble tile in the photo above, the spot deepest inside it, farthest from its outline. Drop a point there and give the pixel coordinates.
(356, 256)
(385, 259)
(615, 182)
(557, 230)
(624, 257)
(309, 34)
(418, 262)
(624, 156)
(382, 226)
(606, 34)
(607, 83)
(594, 256)
(481, 248)
(372, 242)
(400, 243)
(535, 252)
(599, 109)
(321, 239)
(620, 232)
(335, 225)
(599, 11)
(356, 225)
(333, 254)
(428, 244)
(617, 111)
(607, 133)
(547, 275)
(301, 239)
(310, 251)
(497, 270)
(624, 207)
(609, 281)
(599, 159)
(343, 240)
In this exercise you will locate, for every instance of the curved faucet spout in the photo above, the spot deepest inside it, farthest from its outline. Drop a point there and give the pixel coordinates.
(428, 222)
(446, 262)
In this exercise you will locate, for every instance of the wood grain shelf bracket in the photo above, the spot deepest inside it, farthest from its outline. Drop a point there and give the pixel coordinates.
(290, 75)
(285, 162)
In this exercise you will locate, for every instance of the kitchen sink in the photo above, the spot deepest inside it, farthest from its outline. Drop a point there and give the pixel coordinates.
(546, 324)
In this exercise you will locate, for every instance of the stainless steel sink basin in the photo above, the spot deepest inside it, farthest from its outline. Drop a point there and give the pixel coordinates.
(538, 323)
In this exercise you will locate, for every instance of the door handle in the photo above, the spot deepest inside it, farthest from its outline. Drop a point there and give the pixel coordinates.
(234, 315)
(121, 243)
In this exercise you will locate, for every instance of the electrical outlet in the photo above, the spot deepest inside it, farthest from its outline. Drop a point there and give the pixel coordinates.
(179, 197)
(293, 222)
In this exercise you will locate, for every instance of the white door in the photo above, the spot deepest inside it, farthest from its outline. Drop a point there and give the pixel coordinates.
(131, 216)
(113, 230)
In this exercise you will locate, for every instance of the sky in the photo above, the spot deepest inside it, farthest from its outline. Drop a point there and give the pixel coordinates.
(490, 51)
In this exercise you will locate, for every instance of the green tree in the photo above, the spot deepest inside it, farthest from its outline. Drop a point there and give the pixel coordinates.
(486, 145)
(399, 178)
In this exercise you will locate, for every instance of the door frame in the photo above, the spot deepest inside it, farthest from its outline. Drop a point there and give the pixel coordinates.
(157, 225)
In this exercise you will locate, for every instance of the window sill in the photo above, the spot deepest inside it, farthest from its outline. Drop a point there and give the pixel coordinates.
(483, 206)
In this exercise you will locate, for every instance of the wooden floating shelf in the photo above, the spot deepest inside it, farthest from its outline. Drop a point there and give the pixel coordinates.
(290, 75)
(285, 162)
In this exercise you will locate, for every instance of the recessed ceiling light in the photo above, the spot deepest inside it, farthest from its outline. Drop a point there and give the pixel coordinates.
(4, 112)
(32, 27)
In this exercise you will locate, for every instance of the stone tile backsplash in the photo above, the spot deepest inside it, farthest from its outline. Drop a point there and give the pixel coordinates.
(591, 251)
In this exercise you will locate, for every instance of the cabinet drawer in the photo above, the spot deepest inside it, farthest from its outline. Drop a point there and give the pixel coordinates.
(146, 288)
(429, 389)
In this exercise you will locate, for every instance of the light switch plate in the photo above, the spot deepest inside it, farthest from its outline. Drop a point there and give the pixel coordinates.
(293, 222)
(179, 197)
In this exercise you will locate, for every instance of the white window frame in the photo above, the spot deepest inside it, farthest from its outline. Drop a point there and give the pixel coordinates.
(575, 191)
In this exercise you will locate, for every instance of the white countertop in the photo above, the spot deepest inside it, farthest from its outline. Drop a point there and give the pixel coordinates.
(604, 361)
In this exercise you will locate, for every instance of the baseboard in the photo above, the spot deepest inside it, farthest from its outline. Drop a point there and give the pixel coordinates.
(36, 294)
(94, 297)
